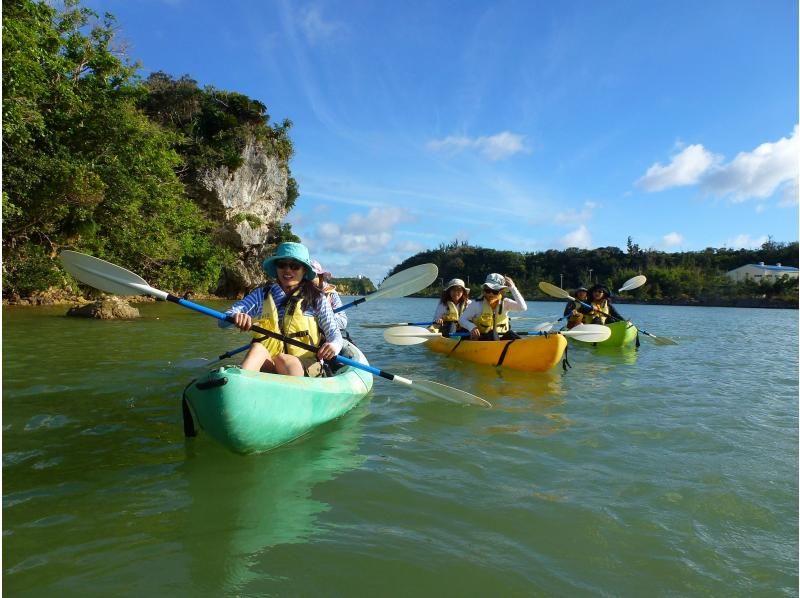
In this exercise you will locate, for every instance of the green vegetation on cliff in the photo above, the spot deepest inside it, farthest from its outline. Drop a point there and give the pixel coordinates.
(99, 161)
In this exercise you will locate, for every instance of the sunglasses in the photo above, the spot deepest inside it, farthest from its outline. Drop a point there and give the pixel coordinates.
(491, 291)
(283, 265)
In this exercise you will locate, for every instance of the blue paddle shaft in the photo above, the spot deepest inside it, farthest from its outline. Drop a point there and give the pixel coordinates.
(228, 318)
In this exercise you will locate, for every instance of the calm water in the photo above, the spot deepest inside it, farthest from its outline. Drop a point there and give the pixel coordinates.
(671, 471)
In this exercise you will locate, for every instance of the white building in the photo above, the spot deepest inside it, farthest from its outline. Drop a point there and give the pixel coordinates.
(760, 271)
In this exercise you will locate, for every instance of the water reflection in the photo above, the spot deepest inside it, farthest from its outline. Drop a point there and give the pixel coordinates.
(241, 507)
(587, 360)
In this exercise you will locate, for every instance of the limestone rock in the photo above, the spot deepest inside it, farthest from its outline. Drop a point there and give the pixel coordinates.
(248, 202)
(107, 308)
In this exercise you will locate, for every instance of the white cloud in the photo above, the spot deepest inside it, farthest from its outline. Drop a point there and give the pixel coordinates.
(745, 241)
(495, 147)
(771, 167)
(316, 28)
(409, 247)
(573, 216)
(673, 239)
(580, 237)
(759, 173)
(791, 195)
(368, 233)
(686, 168)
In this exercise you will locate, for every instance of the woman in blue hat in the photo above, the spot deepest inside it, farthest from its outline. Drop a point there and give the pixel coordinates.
(293, 307)
(488, 319)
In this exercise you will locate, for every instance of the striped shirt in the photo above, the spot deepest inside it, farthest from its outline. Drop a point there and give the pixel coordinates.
(336, 301)
(253, 305)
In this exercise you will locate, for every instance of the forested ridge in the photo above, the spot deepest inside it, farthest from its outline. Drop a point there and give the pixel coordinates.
(695, 277)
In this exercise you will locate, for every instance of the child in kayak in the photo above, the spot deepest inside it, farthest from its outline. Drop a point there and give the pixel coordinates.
(574, 311)
(452, 303)
(291, 306)
(602, 309)
(488, 319)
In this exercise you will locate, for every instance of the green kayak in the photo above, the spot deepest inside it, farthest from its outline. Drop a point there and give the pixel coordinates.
(623, 334)
(253, 412)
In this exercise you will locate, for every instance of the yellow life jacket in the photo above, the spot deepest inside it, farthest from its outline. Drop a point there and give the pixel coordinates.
(599, 310)
(453, 312)
(484, 321)
(293, 325)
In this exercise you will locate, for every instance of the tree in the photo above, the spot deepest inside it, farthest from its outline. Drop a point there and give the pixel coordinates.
(84, 167)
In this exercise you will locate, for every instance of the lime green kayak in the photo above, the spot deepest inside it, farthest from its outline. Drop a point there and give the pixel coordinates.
(253, 412)
(623, 334)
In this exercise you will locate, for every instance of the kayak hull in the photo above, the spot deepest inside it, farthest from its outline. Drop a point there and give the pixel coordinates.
(528, 354)
(623, 334)
(254, 412)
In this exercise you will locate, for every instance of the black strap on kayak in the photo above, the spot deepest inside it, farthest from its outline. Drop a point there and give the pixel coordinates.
(565, 362)
(189, 429)
(503, 354)
(458, 342)
(637, 339)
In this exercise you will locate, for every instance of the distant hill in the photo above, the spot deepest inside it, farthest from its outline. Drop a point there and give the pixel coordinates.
(685, 277)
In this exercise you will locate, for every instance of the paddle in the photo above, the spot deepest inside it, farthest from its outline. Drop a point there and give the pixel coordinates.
(114, 279)
(412, 335)
(633, 283)
(399, 284)
(393, 324)
(554, 291)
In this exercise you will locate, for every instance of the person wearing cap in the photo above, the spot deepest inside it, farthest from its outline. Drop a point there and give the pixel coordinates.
(293, 307)
(602, 309)
(574, 311)
(452, 303)
(488, 319)
(329, 290)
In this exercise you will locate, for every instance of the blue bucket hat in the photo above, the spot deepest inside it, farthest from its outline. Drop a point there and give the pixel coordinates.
(289, 251)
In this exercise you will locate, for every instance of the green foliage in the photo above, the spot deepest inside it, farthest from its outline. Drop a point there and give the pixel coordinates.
(214, 125)
(34, 269)
(353, 286)
(97, 161)
(251, 219)
(670, 276)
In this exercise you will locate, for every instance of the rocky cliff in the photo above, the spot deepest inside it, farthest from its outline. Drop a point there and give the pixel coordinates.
(249, 204)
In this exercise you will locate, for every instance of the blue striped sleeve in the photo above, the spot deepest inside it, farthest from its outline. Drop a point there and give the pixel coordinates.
(252, 304)
(341, 317)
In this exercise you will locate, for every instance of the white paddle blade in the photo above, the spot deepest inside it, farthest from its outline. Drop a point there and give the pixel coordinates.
(408, 335)
(553, 290)
(545, 327)
(106, 276)
(589, 333)
(633, 283)
(448, 393)
(405, 282)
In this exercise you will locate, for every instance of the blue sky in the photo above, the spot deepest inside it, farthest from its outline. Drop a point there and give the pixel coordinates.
(525, 125)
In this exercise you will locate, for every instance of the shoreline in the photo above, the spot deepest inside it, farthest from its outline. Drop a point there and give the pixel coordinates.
(49, 301)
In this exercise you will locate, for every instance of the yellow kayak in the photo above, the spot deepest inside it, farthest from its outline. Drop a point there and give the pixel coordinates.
(529, 354)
